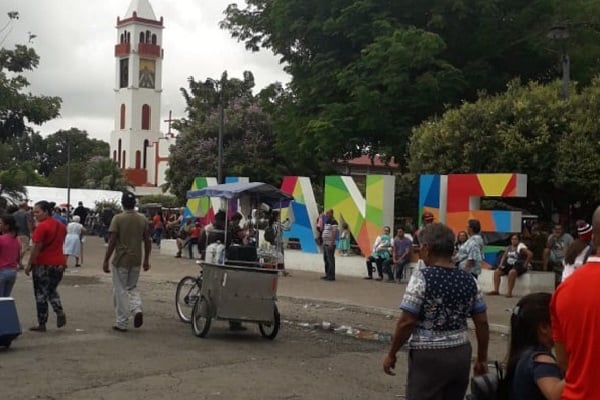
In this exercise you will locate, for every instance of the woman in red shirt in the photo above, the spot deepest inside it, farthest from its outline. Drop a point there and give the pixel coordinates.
(48, 263)
(10, 254)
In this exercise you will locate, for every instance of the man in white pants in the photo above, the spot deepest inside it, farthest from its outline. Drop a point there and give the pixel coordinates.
(127, 232)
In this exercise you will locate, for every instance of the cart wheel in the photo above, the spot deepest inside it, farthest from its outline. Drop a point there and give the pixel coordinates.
(186, 295)
(200, 318)
(270, 330)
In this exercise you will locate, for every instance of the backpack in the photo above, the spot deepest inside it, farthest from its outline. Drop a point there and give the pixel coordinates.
(487, 386)
(270, 234)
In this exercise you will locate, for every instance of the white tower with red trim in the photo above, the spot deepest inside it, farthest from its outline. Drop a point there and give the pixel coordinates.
(136, 142)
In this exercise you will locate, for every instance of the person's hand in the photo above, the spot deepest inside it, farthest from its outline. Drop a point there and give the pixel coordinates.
(480, 368)
(146, 266)
(105, 267)
(389, 363)
(27, 269)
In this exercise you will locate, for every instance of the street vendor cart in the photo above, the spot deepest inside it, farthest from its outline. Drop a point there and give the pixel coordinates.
(241, 287)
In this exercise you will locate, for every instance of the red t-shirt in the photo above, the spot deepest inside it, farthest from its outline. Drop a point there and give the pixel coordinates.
(51, 234)
(575, 313)
(10, 250)
(195, 232)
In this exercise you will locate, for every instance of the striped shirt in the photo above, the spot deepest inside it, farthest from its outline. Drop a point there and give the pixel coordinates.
(330, 228)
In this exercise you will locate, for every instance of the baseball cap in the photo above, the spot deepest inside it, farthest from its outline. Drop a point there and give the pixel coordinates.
(427, 216)
(128, 199)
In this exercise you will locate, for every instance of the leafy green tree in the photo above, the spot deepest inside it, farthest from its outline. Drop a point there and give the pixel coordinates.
(365, 71)
(248, 139)
(528, 129)
(103, 173)
(16, 106)
(74, 141)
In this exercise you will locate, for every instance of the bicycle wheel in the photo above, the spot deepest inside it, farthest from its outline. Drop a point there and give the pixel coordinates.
(270, 330)
(200, 317)
(186, 295)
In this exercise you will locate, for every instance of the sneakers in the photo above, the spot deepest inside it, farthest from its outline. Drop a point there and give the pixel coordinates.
(138, 319)
(61, 320)
(119, 329)
(39, 328)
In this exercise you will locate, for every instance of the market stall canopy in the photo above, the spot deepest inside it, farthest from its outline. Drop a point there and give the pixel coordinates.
(264, 192)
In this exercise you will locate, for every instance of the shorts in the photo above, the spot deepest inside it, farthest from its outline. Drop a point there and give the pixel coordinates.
(518, 266)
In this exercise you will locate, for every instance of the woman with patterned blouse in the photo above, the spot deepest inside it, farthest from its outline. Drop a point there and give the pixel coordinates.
(438, 300)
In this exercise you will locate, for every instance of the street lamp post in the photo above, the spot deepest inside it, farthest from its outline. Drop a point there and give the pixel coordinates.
(68, 177)
(560, 33)
(218, 87)
(220, 140)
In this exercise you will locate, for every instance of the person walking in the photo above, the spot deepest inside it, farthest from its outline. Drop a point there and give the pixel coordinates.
(575, 321)
(128, 231)
(72, 245)
(329, 236)
(434, 310)
(470, 255)
(10, 250)
(47, 264)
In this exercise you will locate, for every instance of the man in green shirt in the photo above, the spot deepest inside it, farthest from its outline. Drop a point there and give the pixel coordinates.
(127, 232)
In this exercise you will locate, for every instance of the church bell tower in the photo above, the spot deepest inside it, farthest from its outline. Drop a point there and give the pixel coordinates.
(136, 138)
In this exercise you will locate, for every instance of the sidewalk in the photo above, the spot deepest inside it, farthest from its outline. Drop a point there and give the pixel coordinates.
(378, 296)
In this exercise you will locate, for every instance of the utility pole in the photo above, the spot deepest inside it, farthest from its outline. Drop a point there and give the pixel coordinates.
(560, 33)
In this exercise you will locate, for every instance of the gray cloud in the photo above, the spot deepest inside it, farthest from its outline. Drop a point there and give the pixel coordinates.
(76, 38)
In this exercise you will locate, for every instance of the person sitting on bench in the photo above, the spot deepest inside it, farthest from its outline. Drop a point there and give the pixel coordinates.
(514, 263)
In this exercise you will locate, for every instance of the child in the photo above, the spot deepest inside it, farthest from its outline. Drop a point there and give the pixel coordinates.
(532, 371)
(344, 242)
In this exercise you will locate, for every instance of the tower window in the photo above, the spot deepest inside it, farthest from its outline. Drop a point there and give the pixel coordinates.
(128, 37)
(148, 36)
(142, 37)
(124, 73)
(122, 39)
(119, 153)
(122, 124)
(154, 39)
(146, 145)
(124, 158)
(146, 117)
(138, 159)
(114, 155)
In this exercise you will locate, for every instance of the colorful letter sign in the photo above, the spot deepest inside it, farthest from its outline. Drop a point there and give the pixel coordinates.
(454, 199)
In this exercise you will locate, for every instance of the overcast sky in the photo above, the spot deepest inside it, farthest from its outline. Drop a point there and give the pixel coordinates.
(76, 38)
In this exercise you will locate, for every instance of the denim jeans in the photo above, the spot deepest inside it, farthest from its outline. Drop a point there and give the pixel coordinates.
(8, 276)
(329, 259)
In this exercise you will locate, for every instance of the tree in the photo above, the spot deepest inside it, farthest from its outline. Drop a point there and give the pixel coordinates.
(17, 107)
(365, 71)
(528, 129)
(81, 147)
(248, 137)
(103, 173)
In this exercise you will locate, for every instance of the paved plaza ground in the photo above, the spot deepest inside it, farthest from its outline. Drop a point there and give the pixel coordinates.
(331, 345)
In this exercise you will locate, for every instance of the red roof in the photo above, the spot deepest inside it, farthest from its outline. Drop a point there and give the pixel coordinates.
(366, 161)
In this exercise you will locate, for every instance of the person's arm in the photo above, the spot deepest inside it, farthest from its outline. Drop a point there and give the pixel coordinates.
(147, 248)
(550, 386)
(37, 247)
(503, 258)
(109, 251)
(562, 356)
(404, 328)
(482, 331)
(528, 257)
(395, 258)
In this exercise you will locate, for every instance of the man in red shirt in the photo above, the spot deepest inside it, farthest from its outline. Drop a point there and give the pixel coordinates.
(576, 325)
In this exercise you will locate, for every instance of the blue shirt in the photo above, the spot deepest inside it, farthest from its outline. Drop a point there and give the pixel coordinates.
(472, 250)
(400, 246)
(528, 372)
(442, 299)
